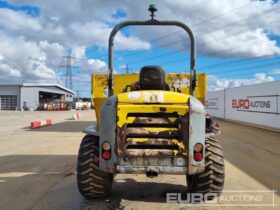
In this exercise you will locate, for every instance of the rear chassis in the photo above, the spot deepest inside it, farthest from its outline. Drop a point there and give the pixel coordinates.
(151, 137)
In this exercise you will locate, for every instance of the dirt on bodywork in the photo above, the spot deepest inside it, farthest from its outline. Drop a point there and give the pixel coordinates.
(150, 136)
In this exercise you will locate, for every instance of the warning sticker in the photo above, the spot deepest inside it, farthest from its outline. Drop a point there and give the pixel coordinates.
(153, 97)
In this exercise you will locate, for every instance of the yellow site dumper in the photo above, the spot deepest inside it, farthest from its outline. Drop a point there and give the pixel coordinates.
(150, 123)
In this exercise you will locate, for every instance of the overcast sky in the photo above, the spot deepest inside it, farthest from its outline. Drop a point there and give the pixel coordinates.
(238, 42)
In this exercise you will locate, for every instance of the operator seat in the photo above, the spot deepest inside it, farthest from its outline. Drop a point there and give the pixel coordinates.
(151, 78)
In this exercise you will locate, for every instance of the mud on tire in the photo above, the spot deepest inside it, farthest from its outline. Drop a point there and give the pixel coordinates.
(92, 182)
(212, 179)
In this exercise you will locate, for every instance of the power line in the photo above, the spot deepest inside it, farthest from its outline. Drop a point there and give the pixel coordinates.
(127, 68)
(241, 75)
(175, 42)
(247, 68)
(154, 57)
(236, 62)
(175, 33)
(234, 71)
(178, 41)
(184, 59)
(201, 22)
(215, 17)
(67, 64)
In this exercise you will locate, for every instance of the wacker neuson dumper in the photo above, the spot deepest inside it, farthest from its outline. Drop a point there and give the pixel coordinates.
(152, 123)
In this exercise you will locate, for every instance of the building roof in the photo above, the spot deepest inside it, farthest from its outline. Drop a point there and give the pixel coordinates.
(47, 85)
(40, 85)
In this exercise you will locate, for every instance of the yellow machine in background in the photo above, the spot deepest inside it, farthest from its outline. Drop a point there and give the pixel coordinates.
(177, 83)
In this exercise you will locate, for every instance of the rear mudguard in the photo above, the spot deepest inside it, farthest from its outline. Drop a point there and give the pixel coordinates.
(197, 116)
(91, 130)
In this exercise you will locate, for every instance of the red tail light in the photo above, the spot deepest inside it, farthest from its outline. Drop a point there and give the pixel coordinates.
(198, 156)
(106, 155)
(106, 151)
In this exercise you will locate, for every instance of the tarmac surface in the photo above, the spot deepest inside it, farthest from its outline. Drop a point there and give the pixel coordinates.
(38, 168)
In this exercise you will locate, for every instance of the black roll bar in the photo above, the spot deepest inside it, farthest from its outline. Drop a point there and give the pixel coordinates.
(152, 22)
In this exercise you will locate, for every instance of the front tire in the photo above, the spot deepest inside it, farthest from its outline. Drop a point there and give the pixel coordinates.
(92, 182)
(212, 179)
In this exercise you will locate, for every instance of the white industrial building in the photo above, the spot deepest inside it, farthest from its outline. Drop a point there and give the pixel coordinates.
(257, 104)
(29, 96)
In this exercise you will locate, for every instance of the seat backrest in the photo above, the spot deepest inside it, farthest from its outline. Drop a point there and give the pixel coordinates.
(152, 78)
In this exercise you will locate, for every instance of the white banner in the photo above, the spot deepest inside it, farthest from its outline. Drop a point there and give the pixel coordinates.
(256, 104)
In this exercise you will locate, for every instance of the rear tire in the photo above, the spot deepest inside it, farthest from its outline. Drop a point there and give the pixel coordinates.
(92, 182)
(212, 179)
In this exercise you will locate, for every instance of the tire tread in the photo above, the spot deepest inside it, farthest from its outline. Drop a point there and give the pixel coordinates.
(92, 182)
(212, 179)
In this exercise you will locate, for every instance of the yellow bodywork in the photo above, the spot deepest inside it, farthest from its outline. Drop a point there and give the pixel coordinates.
(124, 109)
(148, 117)
(177, 83)
(159, 97)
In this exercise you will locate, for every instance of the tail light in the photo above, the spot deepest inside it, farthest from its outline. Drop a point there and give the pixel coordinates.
(198, 156)
(198, 152)
(106, 151)
(106, 155)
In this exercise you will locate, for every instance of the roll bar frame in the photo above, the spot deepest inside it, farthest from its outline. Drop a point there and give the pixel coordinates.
(151, 22)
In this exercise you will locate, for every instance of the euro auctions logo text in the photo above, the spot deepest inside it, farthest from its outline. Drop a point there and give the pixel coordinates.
(228, 198)
(247, 104)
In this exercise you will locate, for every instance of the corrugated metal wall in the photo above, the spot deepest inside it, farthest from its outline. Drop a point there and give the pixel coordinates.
(258, 104)
(9, 97)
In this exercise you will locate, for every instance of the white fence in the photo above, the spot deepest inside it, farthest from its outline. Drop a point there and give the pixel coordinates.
(257, 104)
